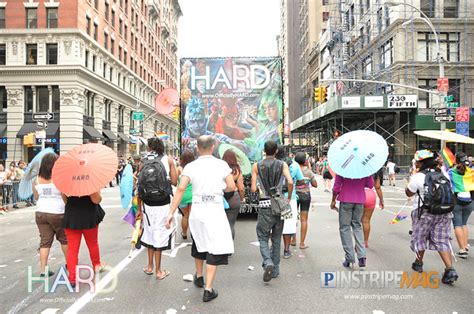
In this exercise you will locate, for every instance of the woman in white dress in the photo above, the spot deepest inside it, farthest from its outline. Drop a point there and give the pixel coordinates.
(156, 237)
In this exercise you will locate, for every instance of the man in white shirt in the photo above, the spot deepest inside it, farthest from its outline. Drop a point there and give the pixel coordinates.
(210, 229)
(391, 172)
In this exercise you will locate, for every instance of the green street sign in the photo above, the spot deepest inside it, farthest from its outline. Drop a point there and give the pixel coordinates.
(448, 98)
(137, 116)
(134, 131)
(453, 105)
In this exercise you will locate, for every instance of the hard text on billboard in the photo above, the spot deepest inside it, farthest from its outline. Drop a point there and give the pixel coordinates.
(238, 100)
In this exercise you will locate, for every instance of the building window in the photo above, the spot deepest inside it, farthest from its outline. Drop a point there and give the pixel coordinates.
(119, 79)
(451, 8)
(386, 54)
(31, 18)
(51, 53)
(449, 46)
(125, 32)
(42, 99)
(106, 40)
(121, 112)
(3, 54)
(428, 7)
(325, 16)
(96, 4)
(111, 73)
(56, 99)
(88, 25)
(125, 57)
(325, 2)
(120, 53)
(104, 69)
(106, 11)
(2, 17)
(31, 54)
(112, 46)
(86, 64)
(3, 99)
(96, 31)
(367, 66)
(120, 27)
(113, 18)
(387, 16)
(52, 15)
(379, 20)
(108, 110)
(94, 59)
(28, 99)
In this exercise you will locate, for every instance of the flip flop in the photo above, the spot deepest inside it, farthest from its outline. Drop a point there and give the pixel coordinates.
(146, 271)
(304, 247)
(293, 244)
(166, 274)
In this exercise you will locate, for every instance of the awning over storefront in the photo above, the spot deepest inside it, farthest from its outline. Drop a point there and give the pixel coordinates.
(123, 137)
(26, 129)
(53, 130)
(142, 140)
(110, 135)
(90, 133)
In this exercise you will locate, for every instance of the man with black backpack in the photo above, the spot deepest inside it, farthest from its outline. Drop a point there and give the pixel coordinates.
(432, 214)
(269, 174)
(157, 173)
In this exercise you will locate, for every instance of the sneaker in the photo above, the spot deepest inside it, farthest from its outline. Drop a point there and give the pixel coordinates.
(417, 266)
(16, 206)
(198, 281)
(462, 254)
(286, 254)
(267, 274)
(50, 273)
(450, 276)
(274, 275)
(362, 262)
(347, 264)
(209, 295)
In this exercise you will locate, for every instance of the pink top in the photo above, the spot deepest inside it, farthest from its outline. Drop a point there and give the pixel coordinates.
(352, 190)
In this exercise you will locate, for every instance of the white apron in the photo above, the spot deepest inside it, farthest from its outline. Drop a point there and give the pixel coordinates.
(155, 233)
(290, 224)
(210, 227)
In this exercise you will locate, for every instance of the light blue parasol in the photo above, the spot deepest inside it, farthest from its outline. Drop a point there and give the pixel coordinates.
(126, 186)
(25, 189)
(358, 154)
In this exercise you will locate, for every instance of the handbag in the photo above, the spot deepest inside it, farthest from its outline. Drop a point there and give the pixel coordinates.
(281, 207)
(100, 214)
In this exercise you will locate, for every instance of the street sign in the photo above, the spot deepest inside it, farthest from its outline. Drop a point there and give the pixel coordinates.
(137, 116)
(453, 105)
(40, 134)
(462, 128)
(443, 84)
(441, 111)
(462, 114)
(42, 124)
(134, 131)
(43, 116)
(448, 98)
(443, 118)
(402, 101)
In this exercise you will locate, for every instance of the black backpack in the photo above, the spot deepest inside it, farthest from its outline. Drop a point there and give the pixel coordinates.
(438, 198)
(153, 184)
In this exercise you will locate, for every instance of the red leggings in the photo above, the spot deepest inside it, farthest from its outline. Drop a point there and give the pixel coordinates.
(74, 237)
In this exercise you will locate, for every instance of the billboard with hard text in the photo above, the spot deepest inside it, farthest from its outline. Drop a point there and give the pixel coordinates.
(238, 100)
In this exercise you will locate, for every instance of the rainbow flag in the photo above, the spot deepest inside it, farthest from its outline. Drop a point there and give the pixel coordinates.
(462, 183)
(448, 158)
(398, 218)
(162, 136)
(132, 212)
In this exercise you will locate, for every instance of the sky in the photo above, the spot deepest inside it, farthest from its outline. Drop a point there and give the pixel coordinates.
(228, 28)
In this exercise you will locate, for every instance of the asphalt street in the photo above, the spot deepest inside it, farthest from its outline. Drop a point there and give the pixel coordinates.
(241, 290)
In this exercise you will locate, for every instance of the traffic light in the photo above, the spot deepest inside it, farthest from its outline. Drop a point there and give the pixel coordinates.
(29, 139)
(323, 94)
(317, 94)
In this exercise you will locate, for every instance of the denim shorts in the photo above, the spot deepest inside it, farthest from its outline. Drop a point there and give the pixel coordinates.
(461, 214)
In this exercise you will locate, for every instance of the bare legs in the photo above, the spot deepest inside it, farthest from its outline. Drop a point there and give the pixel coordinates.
(461, 236)
(211, 271)
(304, 228)
(44, 254)
(366, 217)
(185, 221)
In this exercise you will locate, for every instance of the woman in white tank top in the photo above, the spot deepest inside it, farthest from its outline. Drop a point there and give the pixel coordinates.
(49, 212)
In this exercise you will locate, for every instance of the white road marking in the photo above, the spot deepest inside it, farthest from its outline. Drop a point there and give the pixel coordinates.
(88, 296)
(50, 311)
(176, 249)
(18, 260)
(1, 266)
(24, 302)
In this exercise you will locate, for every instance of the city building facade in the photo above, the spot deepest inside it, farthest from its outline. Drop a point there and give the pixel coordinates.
(387, 41)
(90, 64)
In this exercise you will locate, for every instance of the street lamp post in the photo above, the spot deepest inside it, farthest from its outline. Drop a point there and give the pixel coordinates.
(440, 60)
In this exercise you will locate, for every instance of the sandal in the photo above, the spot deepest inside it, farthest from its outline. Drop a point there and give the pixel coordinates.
(165, 274)
(100, 268)
(184, 236)
(304, 247)
(147, 271)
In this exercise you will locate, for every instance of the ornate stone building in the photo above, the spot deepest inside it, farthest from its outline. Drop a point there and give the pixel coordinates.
(91, 64)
